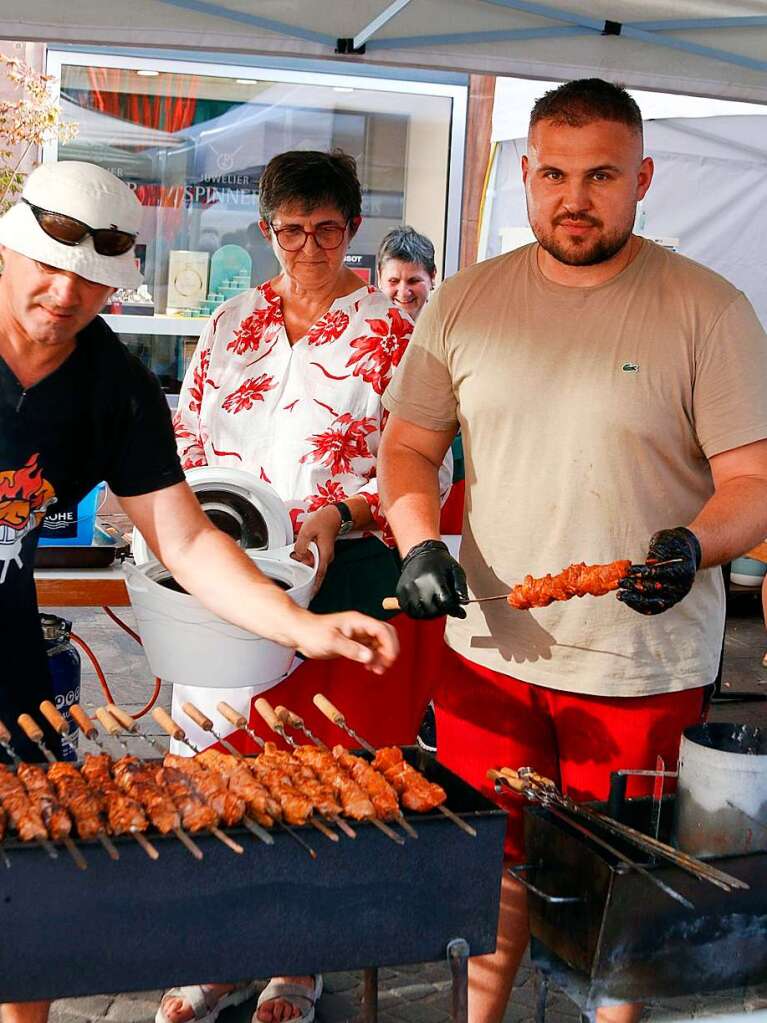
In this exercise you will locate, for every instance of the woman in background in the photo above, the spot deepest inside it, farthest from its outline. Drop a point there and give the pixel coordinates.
(406, 269)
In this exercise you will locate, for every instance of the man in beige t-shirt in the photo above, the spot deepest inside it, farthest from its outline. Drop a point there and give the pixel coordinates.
(610, 395)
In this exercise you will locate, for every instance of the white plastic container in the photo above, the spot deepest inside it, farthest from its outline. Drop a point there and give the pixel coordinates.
(185, 642)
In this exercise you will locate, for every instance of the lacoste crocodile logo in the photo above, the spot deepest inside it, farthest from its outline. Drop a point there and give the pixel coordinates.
(630, 367)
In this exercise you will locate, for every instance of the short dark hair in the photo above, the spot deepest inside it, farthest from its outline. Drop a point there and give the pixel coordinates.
(407, 245)
(585, 100)
(309, 179)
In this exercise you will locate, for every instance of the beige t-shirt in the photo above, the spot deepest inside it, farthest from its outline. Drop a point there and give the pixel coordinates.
(587, 415)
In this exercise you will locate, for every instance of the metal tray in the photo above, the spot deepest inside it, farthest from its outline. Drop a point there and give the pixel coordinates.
(106, 547)
(136, 924)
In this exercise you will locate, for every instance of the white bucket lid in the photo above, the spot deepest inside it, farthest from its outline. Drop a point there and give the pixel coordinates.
(228, 494)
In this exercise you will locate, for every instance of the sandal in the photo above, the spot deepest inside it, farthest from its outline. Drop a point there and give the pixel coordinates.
(293, 993)
(204, 1003)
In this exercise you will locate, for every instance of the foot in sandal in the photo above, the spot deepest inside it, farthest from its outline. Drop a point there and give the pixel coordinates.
(288, 998)
(201, 1003)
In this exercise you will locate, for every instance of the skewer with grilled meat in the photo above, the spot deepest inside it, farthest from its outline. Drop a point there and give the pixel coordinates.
(211, 785)
(381, 793)
(353, 798)
(85, 805)
(261, 805)
(196, 815)
(416, 793)
(123, 812)
(296, 808)
(579, 580)
(303, 778)
(41, 792)
(23, 811)
(138, 780)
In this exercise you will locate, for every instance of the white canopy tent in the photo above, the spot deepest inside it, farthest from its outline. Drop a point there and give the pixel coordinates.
(698, 47)
(709, 193)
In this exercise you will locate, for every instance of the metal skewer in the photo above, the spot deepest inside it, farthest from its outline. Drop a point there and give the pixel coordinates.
(238, 720)
(130, 725)
(5, 742)
(59, 724)
(287, 717)
(500, 779)
(112, 726)
(175, 731)
(543, 790)
(206, 724)
(290, 718)
(323, 704)
(35, 734)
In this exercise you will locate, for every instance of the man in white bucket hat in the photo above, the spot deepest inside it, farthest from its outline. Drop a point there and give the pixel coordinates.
(76, 408)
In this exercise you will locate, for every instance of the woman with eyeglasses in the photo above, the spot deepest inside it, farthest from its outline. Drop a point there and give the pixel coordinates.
(286, 383)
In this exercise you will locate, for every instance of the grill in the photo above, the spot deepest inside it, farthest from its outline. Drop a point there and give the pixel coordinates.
(139, 924)
(603, 931)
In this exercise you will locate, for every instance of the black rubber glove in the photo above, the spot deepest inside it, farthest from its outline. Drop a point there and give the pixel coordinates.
(651, 590)
(432, 583)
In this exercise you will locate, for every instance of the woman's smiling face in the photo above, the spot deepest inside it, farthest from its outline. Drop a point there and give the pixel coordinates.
(407, 285)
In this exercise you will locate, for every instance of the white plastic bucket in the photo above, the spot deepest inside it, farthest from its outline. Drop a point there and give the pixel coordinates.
(186, 643)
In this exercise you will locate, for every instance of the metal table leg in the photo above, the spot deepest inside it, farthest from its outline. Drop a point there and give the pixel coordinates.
(542, 991)
(370, 995)
(458, 957)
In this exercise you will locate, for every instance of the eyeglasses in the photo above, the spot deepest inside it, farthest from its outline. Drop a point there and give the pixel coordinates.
(293, 238)
(107, 241)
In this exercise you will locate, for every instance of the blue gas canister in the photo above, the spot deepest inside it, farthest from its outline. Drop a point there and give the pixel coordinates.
(64, 667)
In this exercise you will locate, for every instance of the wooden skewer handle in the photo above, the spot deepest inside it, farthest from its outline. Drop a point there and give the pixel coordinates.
(57, 722)
(511, 778)
(30, 727)
(266, 710)
(232, 716)
(287, 717)
(5, 735)
(533, 778)
(82, 720)
(324, 706)
(166, 722)
(390, 604)
(197, 716)
(123, 717)
(110, 725)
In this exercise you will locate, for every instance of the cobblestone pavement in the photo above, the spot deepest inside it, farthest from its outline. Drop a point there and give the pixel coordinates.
(415, 994)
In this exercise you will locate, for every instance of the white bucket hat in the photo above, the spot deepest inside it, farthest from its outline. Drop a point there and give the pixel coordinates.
(91, 195)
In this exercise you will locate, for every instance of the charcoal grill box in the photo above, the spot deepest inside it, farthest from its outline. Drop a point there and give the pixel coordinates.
(138, 925)
(625, 939)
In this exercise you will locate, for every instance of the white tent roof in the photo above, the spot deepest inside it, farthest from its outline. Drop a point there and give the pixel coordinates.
(700, 47)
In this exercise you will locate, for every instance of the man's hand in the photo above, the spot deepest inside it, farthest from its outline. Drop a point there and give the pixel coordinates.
(652, 588)
(348, 634)
(320, 527)
(432, 583)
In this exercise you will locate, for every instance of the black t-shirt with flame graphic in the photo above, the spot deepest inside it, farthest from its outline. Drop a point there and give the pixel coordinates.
(100, 416)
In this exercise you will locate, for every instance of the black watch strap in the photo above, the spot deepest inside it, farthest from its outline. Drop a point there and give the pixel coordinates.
(347, 519)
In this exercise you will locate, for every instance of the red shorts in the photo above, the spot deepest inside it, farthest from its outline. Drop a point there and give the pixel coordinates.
(487, 719)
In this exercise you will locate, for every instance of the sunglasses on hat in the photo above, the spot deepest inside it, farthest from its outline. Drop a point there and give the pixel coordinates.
(107, 241)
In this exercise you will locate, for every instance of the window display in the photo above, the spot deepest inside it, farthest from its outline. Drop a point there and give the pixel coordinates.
(192, 141)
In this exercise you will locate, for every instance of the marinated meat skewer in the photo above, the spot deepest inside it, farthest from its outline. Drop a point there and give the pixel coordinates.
(382, 795)
(324, 798)
(422, 795)
(578, 580)
(416, 792)
(55, 817)
(211, 786)
(138, 780)
(124, 814)
(278, 768)
(23, 811)
(196, 814)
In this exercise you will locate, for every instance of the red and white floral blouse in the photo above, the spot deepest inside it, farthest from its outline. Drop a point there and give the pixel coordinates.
(307, 417)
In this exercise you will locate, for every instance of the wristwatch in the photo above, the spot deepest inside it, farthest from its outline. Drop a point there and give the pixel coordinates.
(347, 519)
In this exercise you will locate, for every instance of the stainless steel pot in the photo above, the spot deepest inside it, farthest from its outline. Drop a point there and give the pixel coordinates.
(721, 804)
